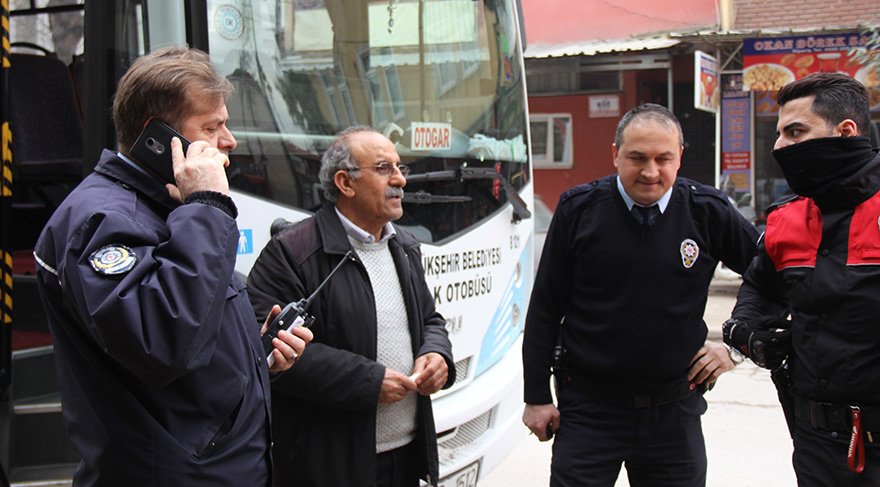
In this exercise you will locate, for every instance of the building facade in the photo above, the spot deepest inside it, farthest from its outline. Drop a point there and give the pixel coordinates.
(718, 75)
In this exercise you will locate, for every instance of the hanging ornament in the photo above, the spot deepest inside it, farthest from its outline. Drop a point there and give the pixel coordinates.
(392, 4)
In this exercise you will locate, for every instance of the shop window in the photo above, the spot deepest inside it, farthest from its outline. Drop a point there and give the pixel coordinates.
(551, 140)
(568, 75)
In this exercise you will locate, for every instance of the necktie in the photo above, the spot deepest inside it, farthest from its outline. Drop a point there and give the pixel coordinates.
(646, 215)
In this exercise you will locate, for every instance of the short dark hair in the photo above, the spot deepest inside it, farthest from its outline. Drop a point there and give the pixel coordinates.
(652, 111)
(171, 84)
(838, 97)
(338, 157)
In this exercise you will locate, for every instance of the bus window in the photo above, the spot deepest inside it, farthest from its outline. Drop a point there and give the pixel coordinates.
(59, 31)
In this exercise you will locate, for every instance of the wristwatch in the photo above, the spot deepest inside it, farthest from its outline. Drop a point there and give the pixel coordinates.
(735, 355)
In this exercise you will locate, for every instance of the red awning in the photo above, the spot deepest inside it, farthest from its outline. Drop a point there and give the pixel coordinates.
(571, 22)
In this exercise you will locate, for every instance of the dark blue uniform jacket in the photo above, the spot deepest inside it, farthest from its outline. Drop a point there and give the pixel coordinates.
(633, 303)
(163, 381)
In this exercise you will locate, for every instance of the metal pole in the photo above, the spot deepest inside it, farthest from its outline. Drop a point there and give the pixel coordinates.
(5, 207)
(717, 172)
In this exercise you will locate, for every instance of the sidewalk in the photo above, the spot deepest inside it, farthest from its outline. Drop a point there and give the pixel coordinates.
(722, 297)
(747, 442)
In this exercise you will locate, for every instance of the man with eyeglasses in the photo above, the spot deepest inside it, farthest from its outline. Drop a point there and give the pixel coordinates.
(356, 409)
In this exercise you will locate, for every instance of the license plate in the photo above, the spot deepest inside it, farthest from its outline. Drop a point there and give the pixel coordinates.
(466, 477)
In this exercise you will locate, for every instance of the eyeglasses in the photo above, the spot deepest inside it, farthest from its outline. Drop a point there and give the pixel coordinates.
(385, 169)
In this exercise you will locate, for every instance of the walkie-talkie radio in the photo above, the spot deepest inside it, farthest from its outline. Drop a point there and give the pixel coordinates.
(294, 314)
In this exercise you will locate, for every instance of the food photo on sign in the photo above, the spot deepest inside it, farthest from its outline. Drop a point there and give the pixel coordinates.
(706, 92)
(771, 63)
(870, 77)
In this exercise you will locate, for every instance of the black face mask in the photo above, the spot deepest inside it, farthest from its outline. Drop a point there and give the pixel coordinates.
(817, 166)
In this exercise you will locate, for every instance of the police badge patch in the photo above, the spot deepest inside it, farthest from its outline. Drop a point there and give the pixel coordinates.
(689, 252)
(113, 260)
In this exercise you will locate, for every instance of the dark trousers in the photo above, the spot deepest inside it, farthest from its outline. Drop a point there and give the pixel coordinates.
(820, 458)
(397, 468)
(660, 446)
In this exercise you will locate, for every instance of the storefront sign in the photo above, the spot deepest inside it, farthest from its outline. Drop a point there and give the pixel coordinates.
(705, 82)
(736, 129)
(602, 106)
(771, 63)
(430, 136)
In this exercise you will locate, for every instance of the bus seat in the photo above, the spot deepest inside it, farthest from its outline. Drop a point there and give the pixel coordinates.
(47, 135)
(47, 146)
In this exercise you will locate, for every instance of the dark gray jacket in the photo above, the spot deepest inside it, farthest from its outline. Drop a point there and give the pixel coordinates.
(324, 409)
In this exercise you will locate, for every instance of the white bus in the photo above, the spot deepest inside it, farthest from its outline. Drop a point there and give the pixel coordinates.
(444, 80)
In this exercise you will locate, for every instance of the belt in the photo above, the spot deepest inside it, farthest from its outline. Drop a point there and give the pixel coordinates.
(860, 420)
(603, 391)
(835, 417)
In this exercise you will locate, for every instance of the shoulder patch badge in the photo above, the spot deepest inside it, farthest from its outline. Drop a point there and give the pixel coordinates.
(113, 260)
(689, 253)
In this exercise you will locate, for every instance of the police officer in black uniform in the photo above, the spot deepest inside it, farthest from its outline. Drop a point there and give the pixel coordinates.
(819, 262)
(163, 377)
(622, 286)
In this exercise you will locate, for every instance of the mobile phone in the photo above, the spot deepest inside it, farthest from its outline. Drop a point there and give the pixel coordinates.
(152, 149)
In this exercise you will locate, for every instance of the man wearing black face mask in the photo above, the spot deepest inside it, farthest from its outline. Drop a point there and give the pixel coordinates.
(819, 264)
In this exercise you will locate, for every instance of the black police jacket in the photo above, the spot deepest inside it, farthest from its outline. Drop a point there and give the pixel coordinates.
(632, 300)
(821, 262)
(324, 409)
(159, 360)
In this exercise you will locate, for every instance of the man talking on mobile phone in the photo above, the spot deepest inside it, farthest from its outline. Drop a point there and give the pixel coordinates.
(162, 373)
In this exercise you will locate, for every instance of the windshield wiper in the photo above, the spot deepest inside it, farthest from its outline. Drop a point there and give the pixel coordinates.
(425, 198)
(520, 209)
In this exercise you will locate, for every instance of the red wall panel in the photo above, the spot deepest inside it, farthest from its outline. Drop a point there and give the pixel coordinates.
(592, 138)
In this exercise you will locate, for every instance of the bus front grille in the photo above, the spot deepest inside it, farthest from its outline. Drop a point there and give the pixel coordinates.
(456, 441)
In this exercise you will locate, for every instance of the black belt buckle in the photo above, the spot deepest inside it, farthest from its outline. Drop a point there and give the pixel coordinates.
(828, 416)
(837, 418)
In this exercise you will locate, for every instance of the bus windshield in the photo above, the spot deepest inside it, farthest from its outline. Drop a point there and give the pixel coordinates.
(440, 78)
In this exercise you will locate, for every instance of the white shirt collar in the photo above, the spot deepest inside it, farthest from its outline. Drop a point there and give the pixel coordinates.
(362, 235)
